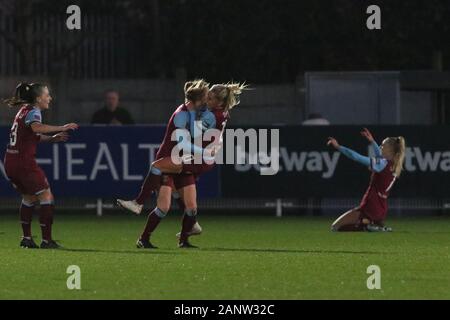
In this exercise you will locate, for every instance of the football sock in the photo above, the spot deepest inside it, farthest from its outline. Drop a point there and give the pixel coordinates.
(151, 183)
(26, 215)
(154, 218)
(189, 219)
(46, 219)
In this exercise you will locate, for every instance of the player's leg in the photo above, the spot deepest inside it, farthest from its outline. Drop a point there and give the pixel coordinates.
(185, 184)
(17, 178)
(46, 213)
(153, 179)
(151, 183)
(378, 226)
(178, 195)
(32, 181)
(26, 216)
(349, 221)
(155, 217)
(166, 165)
(190, 215)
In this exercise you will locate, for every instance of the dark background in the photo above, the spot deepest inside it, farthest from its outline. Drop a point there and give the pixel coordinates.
(146, 50)
(261, 41)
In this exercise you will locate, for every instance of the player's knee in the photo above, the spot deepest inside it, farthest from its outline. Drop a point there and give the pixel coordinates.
(190, 205)
(335, 226)
(164, 203)
(28, 203)
(46, 197)
(29, 199)
(156, 164)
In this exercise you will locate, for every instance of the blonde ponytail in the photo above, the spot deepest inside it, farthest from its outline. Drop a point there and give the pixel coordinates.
(229, 94)
(399, 148)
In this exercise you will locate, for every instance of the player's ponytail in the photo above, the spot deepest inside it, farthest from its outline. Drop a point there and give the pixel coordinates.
(228, 94)
(399, 148)
(25, 93)
(195, 90)
(21, 95)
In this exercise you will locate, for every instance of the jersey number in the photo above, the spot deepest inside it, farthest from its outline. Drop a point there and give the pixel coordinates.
(13, 134)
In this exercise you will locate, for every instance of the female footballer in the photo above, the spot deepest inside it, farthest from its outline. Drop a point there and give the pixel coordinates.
(20, 163)
(386, 167)
(220, 99)
(183, 118)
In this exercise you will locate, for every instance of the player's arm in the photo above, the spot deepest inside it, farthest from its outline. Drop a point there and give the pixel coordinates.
(181, 121)
(41, 128)
(368, 135)
(208, 120)
(59, 137)
(376, 149)
(376, 164)
(34, 120)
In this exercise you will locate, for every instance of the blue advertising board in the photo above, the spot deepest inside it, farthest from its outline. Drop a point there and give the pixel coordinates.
(101, 162)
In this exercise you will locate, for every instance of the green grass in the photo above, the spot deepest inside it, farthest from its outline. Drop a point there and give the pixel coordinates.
(240, 258)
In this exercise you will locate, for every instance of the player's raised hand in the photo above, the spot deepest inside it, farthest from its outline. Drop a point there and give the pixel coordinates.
(333, 142)
(60, 137)
(367, 134)
(69, 126)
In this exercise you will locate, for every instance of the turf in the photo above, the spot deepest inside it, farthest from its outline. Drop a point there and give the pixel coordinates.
(240, 258)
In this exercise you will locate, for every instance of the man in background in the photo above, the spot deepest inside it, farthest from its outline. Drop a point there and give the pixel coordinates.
(316, 119)
(111, 113)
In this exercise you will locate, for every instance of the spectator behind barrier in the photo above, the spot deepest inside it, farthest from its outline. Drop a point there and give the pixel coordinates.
(112, 113)
(316, 119)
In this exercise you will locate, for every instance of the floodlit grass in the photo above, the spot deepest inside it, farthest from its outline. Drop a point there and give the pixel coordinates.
(241, 257)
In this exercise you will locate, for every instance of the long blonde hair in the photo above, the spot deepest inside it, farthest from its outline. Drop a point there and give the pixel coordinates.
(229, 94)
(398, 146)
(195, 90)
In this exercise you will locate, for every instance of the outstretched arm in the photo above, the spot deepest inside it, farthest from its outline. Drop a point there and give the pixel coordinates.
(34, 120)
(376, 164)
(38, 127)
(59, 137)
(368, 135)
(376, 149)
(355, 156)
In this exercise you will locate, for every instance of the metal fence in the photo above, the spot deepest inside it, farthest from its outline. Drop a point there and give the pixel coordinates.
(104, 49)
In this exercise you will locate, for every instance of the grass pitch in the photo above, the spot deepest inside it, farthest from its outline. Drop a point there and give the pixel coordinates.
(240, 258)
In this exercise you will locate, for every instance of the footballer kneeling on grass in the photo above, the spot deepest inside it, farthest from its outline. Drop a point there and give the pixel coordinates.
(386, 167)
